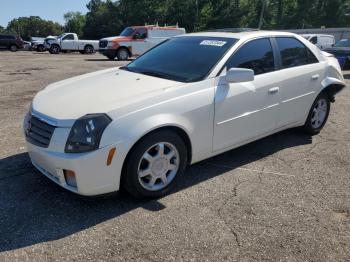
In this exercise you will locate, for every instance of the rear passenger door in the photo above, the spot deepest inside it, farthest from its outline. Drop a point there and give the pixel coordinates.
(301, 74)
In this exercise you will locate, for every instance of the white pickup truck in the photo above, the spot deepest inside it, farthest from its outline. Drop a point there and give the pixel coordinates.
(70, 42)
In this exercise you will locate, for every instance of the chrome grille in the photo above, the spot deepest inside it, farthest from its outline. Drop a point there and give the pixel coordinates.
(103, 43)
(38, 132)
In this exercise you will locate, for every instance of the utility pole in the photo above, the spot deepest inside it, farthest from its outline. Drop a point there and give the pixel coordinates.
(261, 20)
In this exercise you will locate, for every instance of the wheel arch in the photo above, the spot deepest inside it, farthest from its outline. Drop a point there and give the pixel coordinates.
(332, 86)
(86, 45)
(171, 127)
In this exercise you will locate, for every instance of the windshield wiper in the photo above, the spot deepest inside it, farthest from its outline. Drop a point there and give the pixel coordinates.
(161, 75)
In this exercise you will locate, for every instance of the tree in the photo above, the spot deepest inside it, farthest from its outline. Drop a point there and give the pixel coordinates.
(26, 27)
(75, 22)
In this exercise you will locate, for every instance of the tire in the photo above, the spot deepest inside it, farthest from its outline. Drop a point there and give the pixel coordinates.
(160, 170)
(40, 48)
(55, 49)
(123, 54)
(89, 50)
(318, 115)
(82, 52)
(13, 48)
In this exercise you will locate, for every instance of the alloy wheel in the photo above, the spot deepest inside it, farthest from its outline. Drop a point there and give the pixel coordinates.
(158, 166)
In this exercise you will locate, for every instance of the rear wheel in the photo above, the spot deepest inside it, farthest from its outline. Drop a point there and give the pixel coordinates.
(54, 49)
(40, 48)
(123, 54)
(154, 165)
(89, 50)
(318, 115)
(13, 48)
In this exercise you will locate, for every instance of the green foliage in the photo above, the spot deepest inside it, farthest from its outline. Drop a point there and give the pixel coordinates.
(26, 27)
(110, 17)
(75, 22)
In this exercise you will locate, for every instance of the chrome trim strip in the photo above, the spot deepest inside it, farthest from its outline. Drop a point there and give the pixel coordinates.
(246, 114)
(44, 118)
(297, 97)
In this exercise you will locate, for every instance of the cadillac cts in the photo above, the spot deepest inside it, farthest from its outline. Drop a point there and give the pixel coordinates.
(188, 99)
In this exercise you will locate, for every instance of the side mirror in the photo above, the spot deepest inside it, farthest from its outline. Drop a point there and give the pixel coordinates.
(239, 75)
(136, 36)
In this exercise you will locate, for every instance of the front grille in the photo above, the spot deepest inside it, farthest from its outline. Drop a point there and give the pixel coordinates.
(103, 43)
(38, 132)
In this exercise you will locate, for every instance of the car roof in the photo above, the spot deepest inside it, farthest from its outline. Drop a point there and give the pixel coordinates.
(241, 35)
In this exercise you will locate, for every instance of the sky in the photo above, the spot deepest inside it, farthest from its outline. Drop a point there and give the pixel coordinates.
(46, 9)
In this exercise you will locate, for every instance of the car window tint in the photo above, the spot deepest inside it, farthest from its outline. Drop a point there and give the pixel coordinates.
(68, 37)
(256, 55)
(314, 40)
(142, 33)
(294, 53)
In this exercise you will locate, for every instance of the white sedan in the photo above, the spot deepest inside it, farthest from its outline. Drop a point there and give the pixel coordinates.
(188, 99)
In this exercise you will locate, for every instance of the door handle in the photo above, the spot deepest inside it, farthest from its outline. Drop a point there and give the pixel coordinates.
(315, 77)
(274, 90)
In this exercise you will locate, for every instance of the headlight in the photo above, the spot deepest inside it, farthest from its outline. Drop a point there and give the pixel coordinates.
(86, 133)
(110, 44)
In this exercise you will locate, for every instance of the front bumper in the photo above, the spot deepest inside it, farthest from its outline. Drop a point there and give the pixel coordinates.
(107, 52)
(92, 174)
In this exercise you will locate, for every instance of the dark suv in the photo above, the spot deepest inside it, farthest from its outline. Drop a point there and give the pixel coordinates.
(11, 42)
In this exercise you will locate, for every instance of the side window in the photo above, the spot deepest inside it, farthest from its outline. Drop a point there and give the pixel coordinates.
(256, 55)
(68, 37)
(313, 40)
(294, 53)
(141, 33)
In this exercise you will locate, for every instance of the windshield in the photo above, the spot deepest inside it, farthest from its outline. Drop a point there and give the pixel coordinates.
(184, 59)
(127, 32)
(343, 43)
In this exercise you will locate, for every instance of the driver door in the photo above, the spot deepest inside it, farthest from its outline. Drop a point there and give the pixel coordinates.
(245, 111)
(68, 43)
(140, 42)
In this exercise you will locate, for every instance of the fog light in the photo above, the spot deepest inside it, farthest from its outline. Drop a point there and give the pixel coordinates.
(70, 178)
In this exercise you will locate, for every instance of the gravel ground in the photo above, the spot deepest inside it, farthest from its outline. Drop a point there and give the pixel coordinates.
(283, 198)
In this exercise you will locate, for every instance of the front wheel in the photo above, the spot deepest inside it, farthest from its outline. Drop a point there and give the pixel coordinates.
(123, 54)
(318, 115)
(154, 165)
(54, 49)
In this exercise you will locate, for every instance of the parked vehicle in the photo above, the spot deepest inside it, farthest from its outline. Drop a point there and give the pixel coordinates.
(27, 46)
(188, 99)
(321, 41)
(71, 42)
(11, 42)
(341, 50)
(136, 40)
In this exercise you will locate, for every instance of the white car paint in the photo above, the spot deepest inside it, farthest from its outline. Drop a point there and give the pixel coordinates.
(73, 44)
(216, 115)
(320, 40)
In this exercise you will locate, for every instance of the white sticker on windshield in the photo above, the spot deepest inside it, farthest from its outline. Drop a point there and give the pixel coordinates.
(213, 43)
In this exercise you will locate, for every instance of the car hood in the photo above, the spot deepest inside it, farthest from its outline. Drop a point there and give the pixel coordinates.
(98, 92)
(118, 38)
